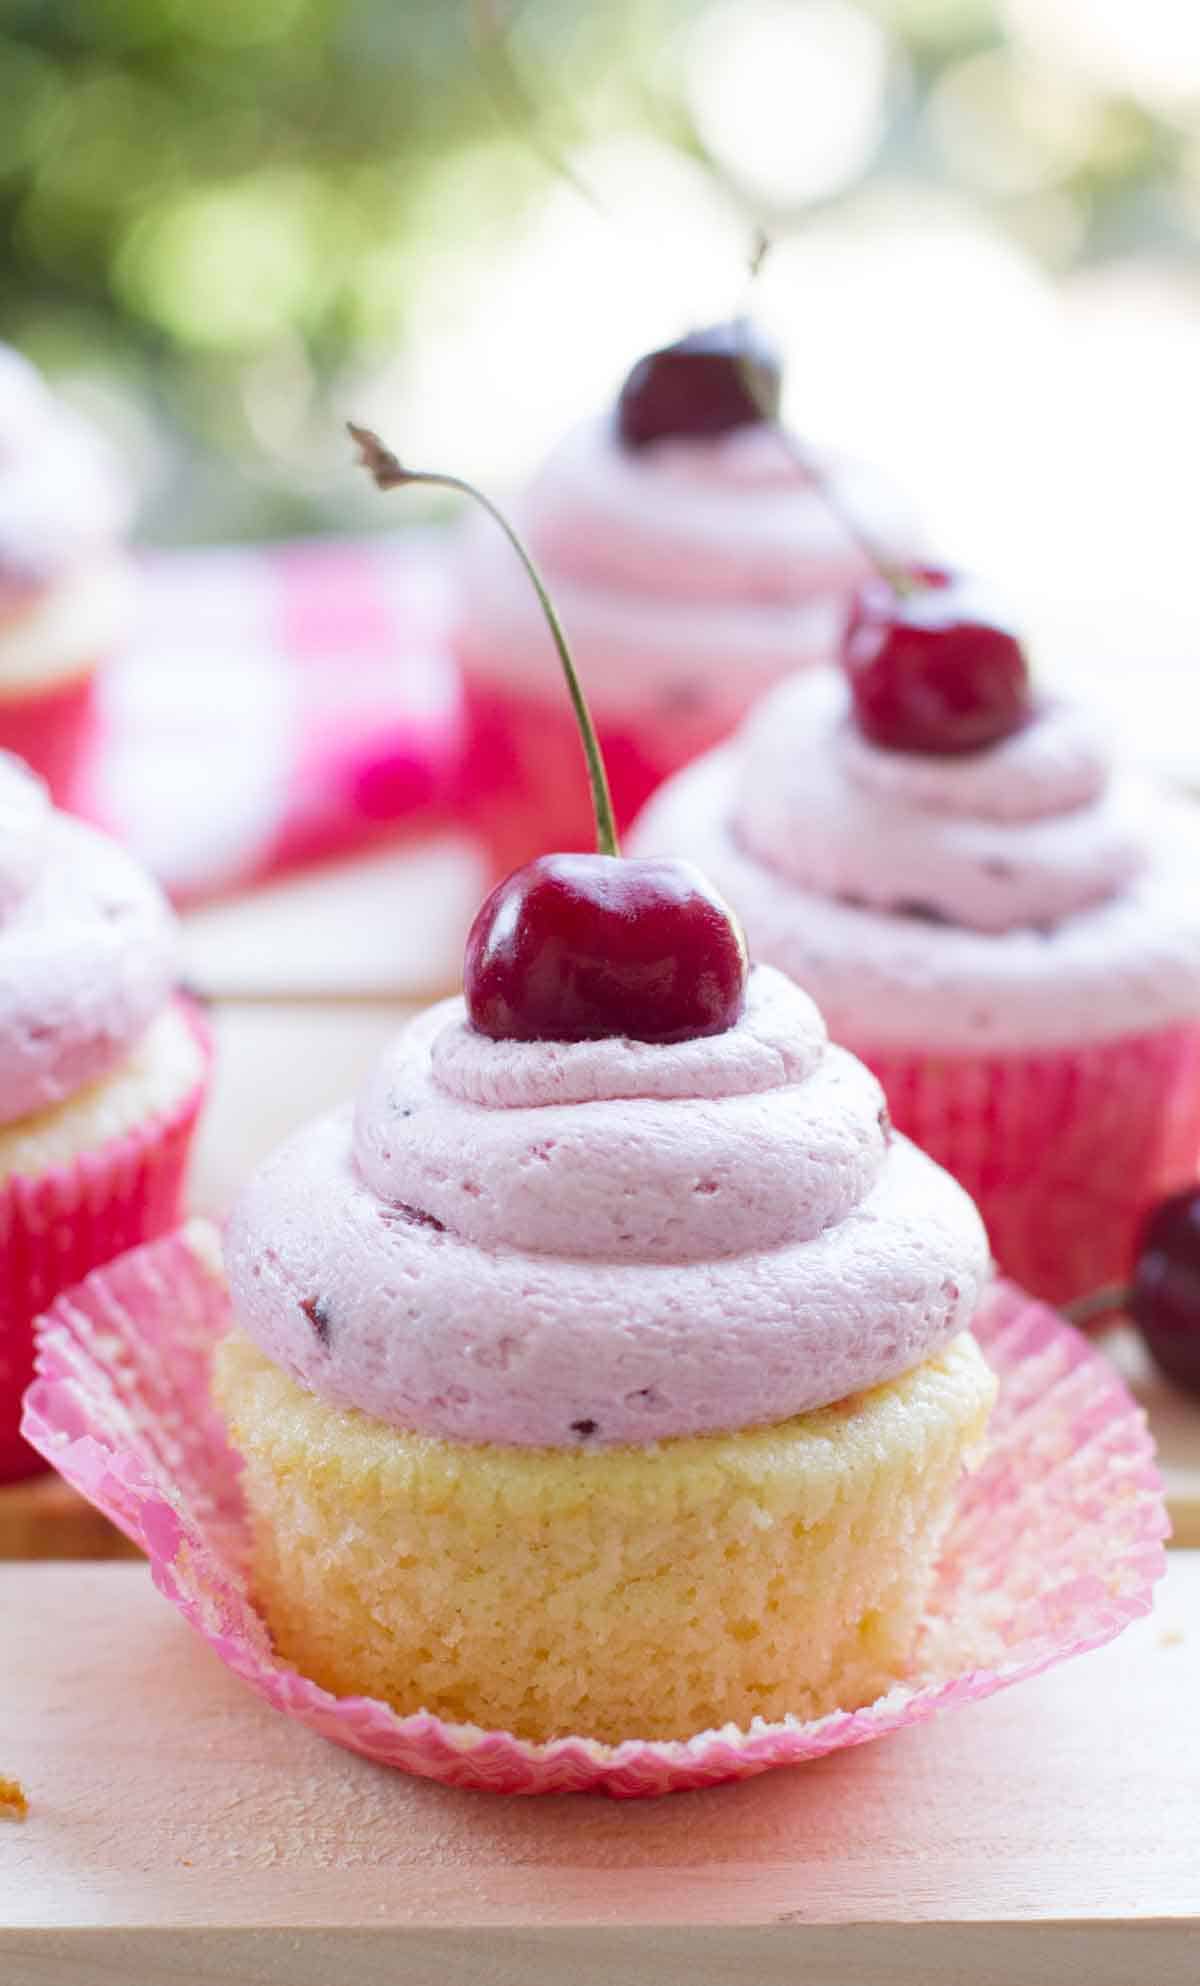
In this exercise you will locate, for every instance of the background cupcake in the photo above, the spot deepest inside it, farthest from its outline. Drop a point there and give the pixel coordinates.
(65, 585)
(1006, 929)
(102, 1069)
(694, 560)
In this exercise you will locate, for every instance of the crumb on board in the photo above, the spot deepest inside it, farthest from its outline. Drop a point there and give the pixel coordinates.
(1170, 1637)
(13, 1803)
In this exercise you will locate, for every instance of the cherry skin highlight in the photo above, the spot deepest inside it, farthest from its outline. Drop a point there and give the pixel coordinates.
(933, 668)
(587, 947)
(1164, 1297)
(727, 376)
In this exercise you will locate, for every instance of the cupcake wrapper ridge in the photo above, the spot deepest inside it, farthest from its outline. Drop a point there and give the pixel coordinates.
(1063, 1152)
(58, 1225)
(1055, 1546)
(53, 730)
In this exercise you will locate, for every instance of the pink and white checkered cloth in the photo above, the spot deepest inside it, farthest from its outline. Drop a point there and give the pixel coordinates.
(278, 705)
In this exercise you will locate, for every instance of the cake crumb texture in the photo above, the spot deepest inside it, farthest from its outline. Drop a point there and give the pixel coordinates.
(632, 1592)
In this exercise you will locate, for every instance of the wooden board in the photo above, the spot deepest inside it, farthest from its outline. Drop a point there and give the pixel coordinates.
(180, 1831)
(1175, 1423)
(44, 1519)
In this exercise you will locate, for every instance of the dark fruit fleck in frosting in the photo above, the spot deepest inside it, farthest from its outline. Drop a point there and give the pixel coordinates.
(317, 1313)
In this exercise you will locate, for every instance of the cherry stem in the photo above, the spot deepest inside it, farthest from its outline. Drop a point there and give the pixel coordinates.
(893, 575)
(390, 474)
(1103, 1302)
(516, 102)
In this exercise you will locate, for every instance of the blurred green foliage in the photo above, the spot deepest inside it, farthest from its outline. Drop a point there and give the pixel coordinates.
(190, 189)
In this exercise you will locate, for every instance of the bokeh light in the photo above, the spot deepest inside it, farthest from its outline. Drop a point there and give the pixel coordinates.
(1147, 48)
(244, 221)
(789, 96)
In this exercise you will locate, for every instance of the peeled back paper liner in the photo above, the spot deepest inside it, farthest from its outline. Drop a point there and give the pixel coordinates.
(1055, 1547)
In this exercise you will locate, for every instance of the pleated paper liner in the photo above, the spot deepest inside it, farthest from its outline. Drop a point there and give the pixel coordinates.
(1056, 1545)
(1063, 1151)
(62, 1222)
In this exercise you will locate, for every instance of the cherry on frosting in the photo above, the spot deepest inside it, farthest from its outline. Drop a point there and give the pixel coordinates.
(932, 667)
(726, 376)
(1164, 1296)
(583, 947)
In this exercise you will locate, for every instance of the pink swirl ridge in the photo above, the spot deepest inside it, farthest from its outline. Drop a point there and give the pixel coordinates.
(1028, 832)
(88, 950)
(590, 1256)
(714, 562)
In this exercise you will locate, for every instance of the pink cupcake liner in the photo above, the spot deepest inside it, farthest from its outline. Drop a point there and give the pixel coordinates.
(1056, 1545)
(58, 1225)
(53, 730)
(1064, 1152)
(524, 782)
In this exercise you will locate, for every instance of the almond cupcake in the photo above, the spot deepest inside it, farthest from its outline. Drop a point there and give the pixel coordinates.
(607, 1369)
(65, 580)
(604, 1386)
(695, 558)
(1000, 921)
(102, 1069)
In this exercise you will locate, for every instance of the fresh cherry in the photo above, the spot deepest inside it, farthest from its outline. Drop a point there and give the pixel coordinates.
(1164, 1296)
(581, 947)
(727, 376)
(932, 667)
(586, 947)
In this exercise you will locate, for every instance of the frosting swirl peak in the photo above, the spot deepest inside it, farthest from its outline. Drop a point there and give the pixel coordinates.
(1024, 833)
(614, 1242)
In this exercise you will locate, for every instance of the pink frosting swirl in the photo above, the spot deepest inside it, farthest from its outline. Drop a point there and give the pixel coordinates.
(538, 1244)
(1026, 833)
(713, 560)
(88, 950)
(63, 499)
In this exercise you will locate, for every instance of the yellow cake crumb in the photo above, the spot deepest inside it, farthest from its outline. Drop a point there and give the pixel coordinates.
(633, 1592)
(13, 1802)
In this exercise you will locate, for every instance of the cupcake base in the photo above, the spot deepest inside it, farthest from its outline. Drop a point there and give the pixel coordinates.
(83, 1182)
(778, 1572)
(1063, 1152)
(1054, 1545)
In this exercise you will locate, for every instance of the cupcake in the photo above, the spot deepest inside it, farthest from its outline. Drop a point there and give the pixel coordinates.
(695, 558)
(607, 1387)
(65, 590)
(606, 1369)
(102, 1068)
(1004, 925)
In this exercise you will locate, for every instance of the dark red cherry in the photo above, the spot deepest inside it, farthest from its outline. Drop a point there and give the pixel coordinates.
(933, 667)
(583, 947)
(727, 376)
(1164, 1297)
